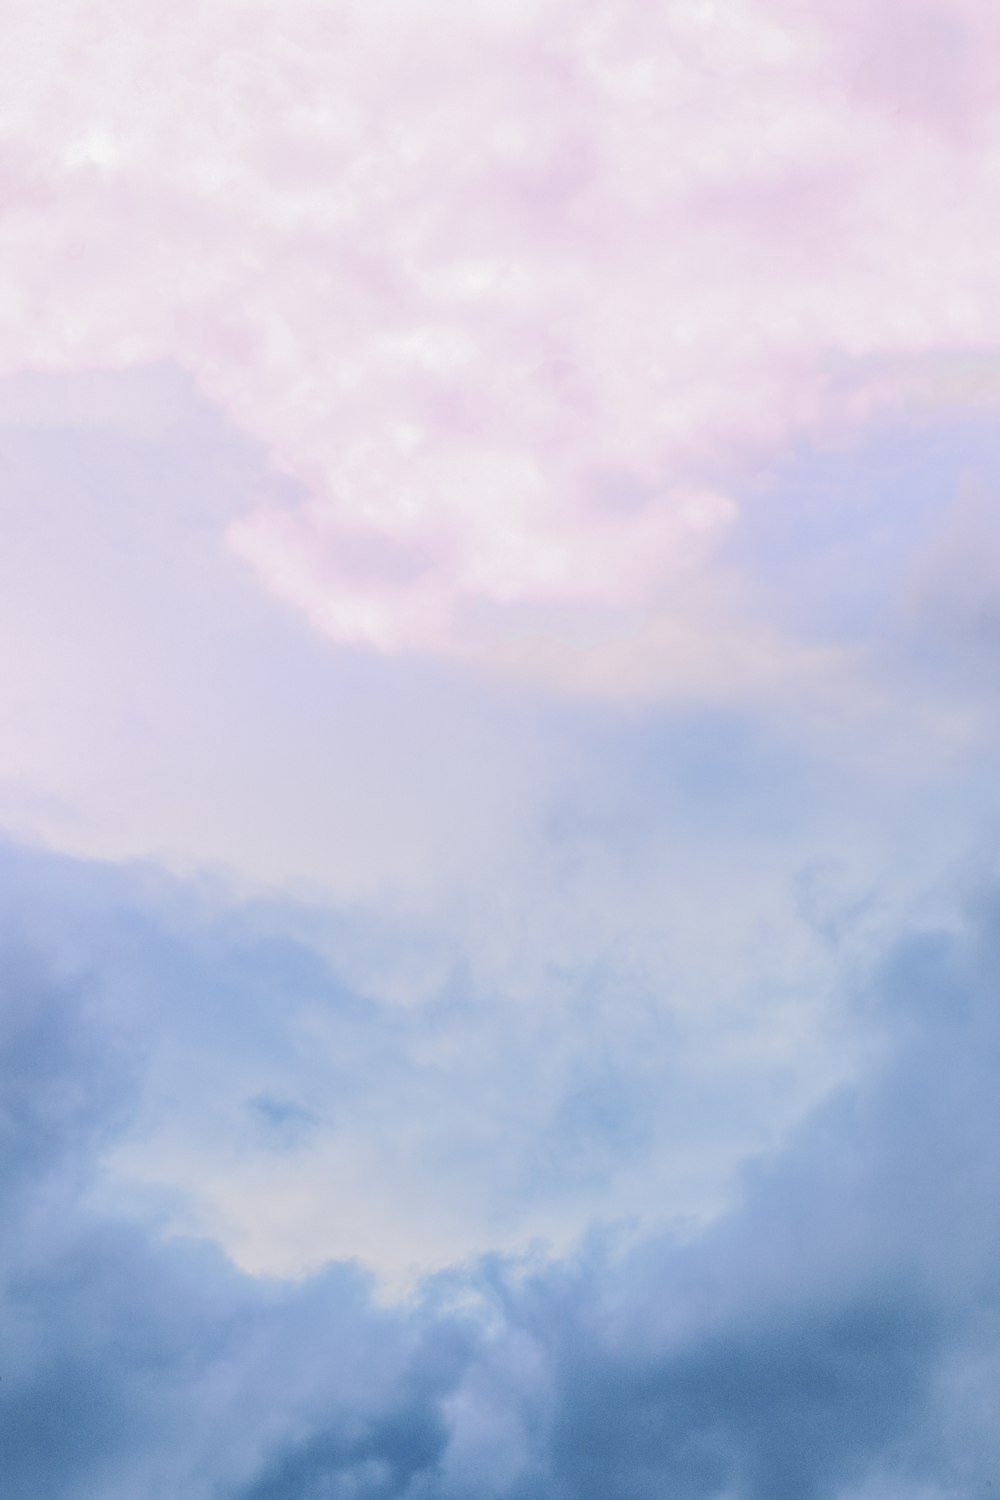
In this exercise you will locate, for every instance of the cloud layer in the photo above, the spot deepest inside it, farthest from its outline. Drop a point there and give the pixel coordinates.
(833, 1334)
(514, 295)
(498, 705)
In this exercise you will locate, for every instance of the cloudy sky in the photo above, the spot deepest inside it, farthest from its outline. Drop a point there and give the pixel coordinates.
(499, 715)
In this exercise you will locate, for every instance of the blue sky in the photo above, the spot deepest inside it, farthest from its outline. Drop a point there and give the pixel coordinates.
(499, 899)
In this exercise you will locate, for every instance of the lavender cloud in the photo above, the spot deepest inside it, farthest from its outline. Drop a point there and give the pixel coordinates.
(469, 281)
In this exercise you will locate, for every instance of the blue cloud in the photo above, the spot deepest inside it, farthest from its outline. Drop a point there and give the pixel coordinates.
(863, 512)
(835, 1333)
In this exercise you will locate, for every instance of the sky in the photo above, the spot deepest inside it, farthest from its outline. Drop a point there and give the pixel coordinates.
(499, 707)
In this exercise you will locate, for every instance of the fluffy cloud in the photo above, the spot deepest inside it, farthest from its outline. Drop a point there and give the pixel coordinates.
(514, 294)
(832, 1335)
(642, 917)
(524, 337)
(413, 1115)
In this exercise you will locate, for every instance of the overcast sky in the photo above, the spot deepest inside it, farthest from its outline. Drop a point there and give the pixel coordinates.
(499, 716)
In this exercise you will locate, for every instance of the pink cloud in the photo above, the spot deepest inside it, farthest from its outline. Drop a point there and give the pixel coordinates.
(515, 294)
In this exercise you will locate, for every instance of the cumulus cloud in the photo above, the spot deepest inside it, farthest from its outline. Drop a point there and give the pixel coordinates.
(406, 1122)
(513, 294)
(832, 1335)
(641, 917)
(591, 343)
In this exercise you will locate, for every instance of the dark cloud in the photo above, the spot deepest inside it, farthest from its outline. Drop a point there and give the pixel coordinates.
(383, 1451)
(785, 1408)
(836, 1334)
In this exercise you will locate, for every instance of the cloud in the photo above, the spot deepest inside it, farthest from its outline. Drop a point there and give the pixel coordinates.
(786, 1411)
(643, 916)
(832, 1335)
(515, 296)
(591, 345)
(158, 705)
(375, 1108)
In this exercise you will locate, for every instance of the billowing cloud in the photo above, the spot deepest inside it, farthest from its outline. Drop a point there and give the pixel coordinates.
(640, 917)
(476, 1089)
(833, 1334)
(516, 296)
(408, 1114)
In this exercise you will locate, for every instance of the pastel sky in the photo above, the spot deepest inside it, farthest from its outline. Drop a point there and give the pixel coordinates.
(499, 716)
